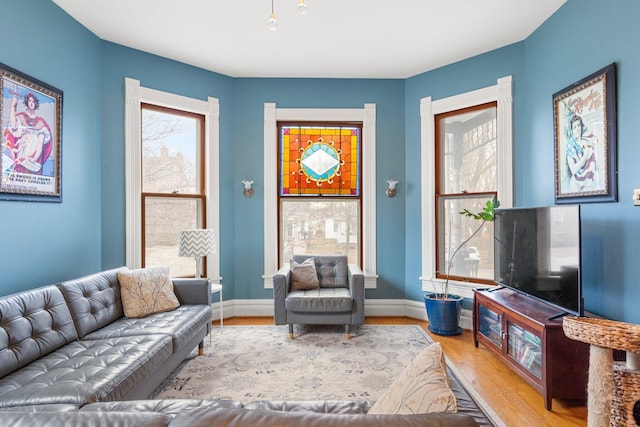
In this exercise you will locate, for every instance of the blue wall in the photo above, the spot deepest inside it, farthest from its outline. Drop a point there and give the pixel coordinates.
(85, 233)
(250, 96)
(581, 38)
(162, 74)
(468, 75)
(41, 243)
(241, 147)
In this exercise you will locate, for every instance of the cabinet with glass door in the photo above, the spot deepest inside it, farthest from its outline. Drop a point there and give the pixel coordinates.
(526, 334)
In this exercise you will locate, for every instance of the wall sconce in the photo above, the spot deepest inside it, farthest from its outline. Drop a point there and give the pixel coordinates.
(248, 190)
(391, 188)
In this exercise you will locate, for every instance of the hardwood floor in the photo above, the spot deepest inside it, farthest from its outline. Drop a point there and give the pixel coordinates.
(515, 401)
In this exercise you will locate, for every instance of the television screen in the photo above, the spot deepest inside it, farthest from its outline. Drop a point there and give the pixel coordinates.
(537, 252)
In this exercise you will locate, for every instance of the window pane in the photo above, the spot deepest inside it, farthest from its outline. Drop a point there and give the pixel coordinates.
(163, 221)
(475, 258)
(468, 151)
(319, 228)
(170, 153)
(319, 160)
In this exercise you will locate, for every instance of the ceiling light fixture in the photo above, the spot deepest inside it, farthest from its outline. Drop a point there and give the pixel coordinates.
(302, 8)
(272, 23)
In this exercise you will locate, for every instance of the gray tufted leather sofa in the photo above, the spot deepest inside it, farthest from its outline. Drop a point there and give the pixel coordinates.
(71, 344)
(196, 413)
(339, 301)
(68, 357)
(230, 413)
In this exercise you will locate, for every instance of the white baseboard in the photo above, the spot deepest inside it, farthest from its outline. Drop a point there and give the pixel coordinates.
(372, 307)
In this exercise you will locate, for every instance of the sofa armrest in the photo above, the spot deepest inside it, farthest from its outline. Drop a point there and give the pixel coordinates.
(281, 282)
(356, 286)
(192, 291)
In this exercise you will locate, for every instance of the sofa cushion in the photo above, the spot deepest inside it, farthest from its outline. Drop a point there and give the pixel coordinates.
(322, 300)
(146, 291)
(181, 324)
(86, 371)
(33, 324)
(422, 387)
(303, 275)
(94, 300)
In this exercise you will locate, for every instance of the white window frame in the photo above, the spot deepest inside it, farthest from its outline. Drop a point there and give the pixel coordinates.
(135, 95)
(502, 94)
(367, 116)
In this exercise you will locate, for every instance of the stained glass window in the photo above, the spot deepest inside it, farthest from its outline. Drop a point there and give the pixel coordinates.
(319, 160)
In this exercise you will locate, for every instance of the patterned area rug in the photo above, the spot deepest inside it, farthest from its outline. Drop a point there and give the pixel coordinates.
(248, 363)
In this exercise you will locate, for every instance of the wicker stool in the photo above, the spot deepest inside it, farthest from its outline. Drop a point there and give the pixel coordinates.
(614, 388)
(626, 395)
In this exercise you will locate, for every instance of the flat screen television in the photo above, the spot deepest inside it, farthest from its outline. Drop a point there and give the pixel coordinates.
(537, 252)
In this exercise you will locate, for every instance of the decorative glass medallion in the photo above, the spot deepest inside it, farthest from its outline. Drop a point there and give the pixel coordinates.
(320, 162)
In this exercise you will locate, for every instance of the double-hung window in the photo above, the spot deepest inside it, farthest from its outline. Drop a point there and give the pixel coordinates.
(171, 177)
(466, 159)
(320, 192)
(341, 228)
(466, 178)
(173, 196)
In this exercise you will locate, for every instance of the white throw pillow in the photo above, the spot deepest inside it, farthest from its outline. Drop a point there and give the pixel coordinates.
(146, 291)
(422, 387)
(304, 276)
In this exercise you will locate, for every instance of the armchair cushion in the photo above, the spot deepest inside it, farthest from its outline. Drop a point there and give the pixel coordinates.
(146, 291)
(321, 300)
(304, 275)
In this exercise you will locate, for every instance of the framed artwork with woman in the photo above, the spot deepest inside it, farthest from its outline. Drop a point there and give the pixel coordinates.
(30, 138)
(584, 117)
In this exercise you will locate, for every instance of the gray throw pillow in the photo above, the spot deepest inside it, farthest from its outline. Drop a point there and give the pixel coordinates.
(303, 275)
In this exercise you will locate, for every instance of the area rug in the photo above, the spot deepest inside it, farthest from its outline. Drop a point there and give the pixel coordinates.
(260, 362)
(246, 363)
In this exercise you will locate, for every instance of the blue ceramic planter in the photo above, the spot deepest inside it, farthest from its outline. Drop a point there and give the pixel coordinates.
(444, 314)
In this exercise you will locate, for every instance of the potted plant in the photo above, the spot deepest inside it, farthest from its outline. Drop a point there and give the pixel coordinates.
(443, 309)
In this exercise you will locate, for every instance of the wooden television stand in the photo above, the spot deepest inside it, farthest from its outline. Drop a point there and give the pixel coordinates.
(526, 334)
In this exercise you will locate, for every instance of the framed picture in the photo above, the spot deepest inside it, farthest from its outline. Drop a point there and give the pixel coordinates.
(30, 132)
(584, 119)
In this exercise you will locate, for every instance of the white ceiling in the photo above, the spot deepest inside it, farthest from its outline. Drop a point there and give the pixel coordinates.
(335, 38)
